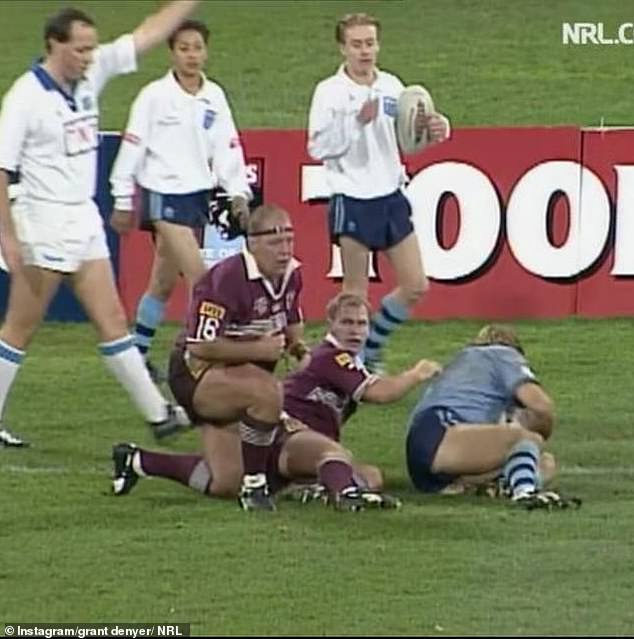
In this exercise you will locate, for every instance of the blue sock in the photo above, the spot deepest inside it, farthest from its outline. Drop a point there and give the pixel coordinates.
(149, 315)
(521, 470)
(390, 316)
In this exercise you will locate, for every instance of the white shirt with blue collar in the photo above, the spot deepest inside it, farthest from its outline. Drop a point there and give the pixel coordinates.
(361, 160)
(178, 142)
(52, 136)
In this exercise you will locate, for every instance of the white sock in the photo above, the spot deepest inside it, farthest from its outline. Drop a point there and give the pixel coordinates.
(136, 464)
(126, 363)
(10, 361)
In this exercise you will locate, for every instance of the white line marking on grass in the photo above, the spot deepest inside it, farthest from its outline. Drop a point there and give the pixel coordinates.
(597, 471)
(51, 470)
(579, 471)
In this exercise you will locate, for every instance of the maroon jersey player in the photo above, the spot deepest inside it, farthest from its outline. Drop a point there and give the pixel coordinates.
(243, 316)
(324, 394)
(318, 399)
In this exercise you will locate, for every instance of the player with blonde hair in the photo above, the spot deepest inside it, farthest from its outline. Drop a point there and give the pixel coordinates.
(458, 435)
(318, 399)
(352, 130)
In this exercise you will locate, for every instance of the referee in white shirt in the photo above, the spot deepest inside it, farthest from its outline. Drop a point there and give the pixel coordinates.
(352, 131)
(180, 139)
(49, 132)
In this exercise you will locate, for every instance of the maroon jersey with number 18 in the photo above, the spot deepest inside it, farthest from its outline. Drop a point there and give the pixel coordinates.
(234, 300)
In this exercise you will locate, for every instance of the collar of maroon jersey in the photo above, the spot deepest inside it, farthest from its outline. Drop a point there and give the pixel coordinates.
(333, 341)
(254, 273)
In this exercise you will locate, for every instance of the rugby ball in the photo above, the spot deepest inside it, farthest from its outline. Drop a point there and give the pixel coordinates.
(407, 109)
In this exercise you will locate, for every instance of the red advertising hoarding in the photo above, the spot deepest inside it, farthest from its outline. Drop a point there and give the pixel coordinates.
(518, 222)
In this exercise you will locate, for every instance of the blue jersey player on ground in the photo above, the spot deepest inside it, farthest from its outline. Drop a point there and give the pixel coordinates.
(458, 434)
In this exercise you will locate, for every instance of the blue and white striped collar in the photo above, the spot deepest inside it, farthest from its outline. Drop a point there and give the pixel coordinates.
(50, 84)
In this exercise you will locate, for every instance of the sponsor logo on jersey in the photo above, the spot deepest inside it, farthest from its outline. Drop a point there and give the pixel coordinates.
(212, 310)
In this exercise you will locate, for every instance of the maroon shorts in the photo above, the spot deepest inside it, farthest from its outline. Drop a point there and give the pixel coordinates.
(276, 480)
(183, 385)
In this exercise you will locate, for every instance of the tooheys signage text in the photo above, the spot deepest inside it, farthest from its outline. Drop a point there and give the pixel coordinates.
(534, 222)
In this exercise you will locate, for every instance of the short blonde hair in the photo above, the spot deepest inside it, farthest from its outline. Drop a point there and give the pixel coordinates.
(498, 334)
(355, 20)
(342, 300)
(261, 217)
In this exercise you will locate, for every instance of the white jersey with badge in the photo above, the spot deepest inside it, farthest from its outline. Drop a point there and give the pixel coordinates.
(177, 142)
(361, 160)
(51, 137)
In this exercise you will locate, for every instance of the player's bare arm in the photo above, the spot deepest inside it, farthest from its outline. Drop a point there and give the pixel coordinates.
(157, 27)
(392, 388)
(537, 412)
(8, 239)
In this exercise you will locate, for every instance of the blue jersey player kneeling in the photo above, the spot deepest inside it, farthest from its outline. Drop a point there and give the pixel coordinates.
(458, 436)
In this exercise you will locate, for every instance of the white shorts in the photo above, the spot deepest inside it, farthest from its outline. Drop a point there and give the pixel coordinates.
(59, 237)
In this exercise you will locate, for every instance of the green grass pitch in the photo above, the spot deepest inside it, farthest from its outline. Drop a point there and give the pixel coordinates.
(441, 566)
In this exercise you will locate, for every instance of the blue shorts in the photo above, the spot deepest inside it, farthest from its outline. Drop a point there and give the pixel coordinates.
(378, 223)
(425, 434)
(186, 209)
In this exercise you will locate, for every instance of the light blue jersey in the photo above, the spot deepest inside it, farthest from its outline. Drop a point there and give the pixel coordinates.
(479, 384)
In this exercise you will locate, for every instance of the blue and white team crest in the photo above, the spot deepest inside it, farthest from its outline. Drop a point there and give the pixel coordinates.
(86, 103)
(261, 306)
(209, 118)
(390, 106)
